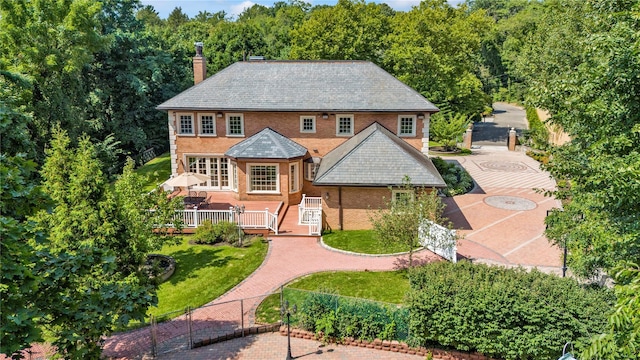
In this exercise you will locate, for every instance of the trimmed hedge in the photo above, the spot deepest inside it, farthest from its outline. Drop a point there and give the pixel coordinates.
(339, 318)
(503, 313)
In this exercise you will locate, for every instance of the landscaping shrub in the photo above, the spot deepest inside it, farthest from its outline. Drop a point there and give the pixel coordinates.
(208, 233)
(457, 179)
(537, 136)
(339, 317)
(503, 313)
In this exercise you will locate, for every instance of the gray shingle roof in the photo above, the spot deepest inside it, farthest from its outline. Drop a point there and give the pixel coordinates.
(376, 157)
(301, 86)
(267, 144)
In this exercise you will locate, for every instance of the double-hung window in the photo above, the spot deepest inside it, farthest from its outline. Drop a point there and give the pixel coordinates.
(344, 125)
(407, 125)
(235, 125)
(185, 124)
(263, 178)
(307, 124)
(207, 124)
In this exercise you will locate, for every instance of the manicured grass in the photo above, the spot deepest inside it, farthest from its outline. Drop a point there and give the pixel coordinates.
(204, 272)
(360, 241)
(157, 170)
(386, 286)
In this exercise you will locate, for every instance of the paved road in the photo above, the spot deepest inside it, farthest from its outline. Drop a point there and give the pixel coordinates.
(493, 131)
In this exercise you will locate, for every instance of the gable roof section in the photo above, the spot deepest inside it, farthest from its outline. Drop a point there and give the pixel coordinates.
(376, 157)
(267, 144)
(301, 86)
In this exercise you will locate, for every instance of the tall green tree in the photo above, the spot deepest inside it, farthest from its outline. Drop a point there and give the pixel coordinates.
(51, 43)
(350, 30)
(98, 238)
(20, 197)
(622, 340)
(128, 78)
(434, 48)
(586, 73)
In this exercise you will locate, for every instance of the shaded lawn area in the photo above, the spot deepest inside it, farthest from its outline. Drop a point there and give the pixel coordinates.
(205, 272)
(385, 286)
(360, 241)
(157, 171)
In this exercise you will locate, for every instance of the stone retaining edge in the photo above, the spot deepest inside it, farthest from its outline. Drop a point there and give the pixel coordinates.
(392, 346)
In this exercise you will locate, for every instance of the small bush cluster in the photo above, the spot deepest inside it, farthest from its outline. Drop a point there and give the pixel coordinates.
(457, 179)
(208, 233)
(541, 157)
(537, 136)
(503, 313)
(337, 317)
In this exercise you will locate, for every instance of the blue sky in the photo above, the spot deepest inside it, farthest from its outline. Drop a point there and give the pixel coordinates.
(235, 7)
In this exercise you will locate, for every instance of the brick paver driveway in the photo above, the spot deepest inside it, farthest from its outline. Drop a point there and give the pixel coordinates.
(502, 219)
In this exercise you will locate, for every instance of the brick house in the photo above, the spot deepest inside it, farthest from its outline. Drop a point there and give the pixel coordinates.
(341, 132)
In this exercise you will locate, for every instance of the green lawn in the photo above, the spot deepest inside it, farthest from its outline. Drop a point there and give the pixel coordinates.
(387, 286)
(360, 241)
(157, 170)
(204, 272)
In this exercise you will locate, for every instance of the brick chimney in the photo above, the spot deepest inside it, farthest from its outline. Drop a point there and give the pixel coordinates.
(199, 65)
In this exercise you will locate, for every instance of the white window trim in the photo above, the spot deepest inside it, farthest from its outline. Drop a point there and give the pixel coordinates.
(338, 116)
(185, 161)
(200, 127)
(228, 118)
(250, 191)
(413, 126)
(234, 176)
(295, 175)
(394, 194)
(309, 173)
(179, 124)
(302, 130)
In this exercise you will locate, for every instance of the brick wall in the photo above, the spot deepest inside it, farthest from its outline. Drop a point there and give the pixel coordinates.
(357, 204)
(287, 124)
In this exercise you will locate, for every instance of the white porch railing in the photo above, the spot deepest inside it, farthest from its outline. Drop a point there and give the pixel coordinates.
(250, 219)
(310, 213)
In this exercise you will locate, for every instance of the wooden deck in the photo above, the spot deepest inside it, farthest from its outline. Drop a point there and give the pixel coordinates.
(223, 200)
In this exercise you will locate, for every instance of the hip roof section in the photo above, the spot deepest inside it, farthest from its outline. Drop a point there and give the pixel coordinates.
(377, 157)
(267, 144)
(301, 86)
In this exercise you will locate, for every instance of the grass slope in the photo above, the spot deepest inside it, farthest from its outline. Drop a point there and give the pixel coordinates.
(204, 272)
(157, 171)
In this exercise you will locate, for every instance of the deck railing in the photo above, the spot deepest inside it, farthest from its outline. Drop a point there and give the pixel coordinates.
(310, 213)
(250, 219)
